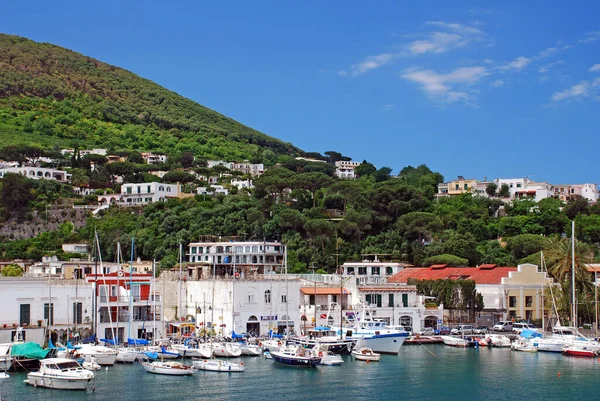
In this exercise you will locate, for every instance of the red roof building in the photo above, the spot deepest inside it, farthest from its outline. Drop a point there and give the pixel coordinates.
(483, 274)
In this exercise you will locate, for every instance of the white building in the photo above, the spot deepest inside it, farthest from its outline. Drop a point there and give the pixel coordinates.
(345, 169)
(254, 170)
(240, 184)
(525, 188)
(372, 271)
(212, 190)
(60, 304)
(213, 163)
(83, 152)
(141, 194)
(38, 173)
(151, 158)
(226, 258)
(246, 306)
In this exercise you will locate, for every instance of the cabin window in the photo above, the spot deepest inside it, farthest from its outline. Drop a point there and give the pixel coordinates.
(24, 313)
(268, 296)
(49, 313)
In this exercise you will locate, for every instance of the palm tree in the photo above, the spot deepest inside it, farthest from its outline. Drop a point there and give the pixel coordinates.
(558, 252)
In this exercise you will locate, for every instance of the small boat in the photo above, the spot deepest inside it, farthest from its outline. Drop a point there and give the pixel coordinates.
(218, 365)
(90, 363)
(582, 348)
(498, 340)
(296, 356)
(105, 356)
(251, 349)
(455, 341)
(5, 358)
(523, 345)
(60, 373)
(268, 355)
(366, 354)
(126, 355)
(330, 359)
(171, 368)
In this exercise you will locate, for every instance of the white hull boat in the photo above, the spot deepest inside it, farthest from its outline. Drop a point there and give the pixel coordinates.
(328, 358)
(60, 373)
(190, 352)
(227, 350)
(523, 345)
(366, 354)
(455, 341)
(105, 356)
(498, 340)
(126, 355)
(251, 350)
(170, 368)
(219, 365)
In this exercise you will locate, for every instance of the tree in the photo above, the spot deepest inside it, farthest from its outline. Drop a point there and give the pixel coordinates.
(12, 270)
(311, 182)
(382, 174)
(504, 191)
(575, 206)
(490, 189)
(525, 244)
(15, 195)
(446, 259)
(365, 168)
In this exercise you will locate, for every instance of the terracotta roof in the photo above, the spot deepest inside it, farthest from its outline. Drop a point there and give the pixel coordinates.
(486, 275)
(593, 267)
(323, 291)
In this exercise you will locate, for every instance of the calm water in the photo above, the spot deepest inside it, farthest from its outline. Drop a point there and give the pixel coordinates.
(465, 374)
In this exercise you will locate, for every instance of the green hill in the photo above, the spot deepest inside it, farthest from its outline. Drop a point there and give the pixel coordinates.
(52, 96)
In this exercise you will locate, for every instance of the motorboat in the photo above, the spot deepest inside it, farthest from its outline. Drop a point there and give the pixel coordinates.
(186, 350)
(226, 350)
(5, 357)
(251, 349)
(366, 354)
(297, 356)
(374, 334)
(126, 355)
(327, 336)
(218, 365)
(561, 337)
(172, 368)
(60, 373)
(523, 345)
(268, 355)
(582, 348)
(90, 363)
(453, 341)
(330, 359)
(498, 340)
(272, 344)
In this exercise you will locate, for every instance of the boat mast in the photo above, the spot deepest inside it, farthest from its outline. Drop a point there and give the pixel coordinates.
(180, 278)
(154, 297)
(95, 298)
(543, 285)
(287, 301)
(130, 322)
(574, 305)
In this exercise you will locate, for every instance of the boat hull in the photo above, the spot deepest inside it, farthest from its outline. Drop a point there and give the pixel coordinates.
(383, 343)
(38, 380)
(219, 366)
(170, 369)
(295, 361)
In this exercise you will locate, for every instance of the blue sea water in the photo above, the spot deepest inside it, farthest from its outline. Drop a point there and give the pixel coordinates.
(435, 372)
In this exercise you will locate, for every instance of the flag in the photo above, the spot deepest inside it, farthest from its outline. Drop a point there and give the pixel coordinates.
(323, 315)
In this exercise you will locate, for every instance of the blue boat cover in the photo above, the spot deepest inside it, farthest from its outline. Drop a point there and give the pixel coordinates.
(530, 334)
(137, 341)
(110, 341)
(71, 346)
(234, 335)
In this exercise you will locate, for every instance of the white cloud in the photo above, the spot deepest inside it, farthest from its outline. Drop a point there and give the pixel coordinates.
(547, 52)
(579, 90)
(439, 86)
(590, 37)
(595, 68)
(439, 42)
(497, 83)
(460, 28)
(368, 64)
(546, 67)
(517, 64)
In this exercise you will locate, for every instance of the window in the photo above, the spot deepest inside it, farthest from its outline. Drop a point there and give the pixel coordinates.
(389, 270)
(311, 299)
(135, 292)
(128, 190)
(362, 270)
(284, 299)
(457, 187)
(512, 302)
(103, 293)
(350, 270)
(148, 189)
(114, 291)
(390, 300)
(368, 299)
(268, 296)
(519, 185)
(24, 313)
(528, 301)
(49, 313)
(466, 186)
(405, 300)
(77, 312)
(251, 298)
(375, 270)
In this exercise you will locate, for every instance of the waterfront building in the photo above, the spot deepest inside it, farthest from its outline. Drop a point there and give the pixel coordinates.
(372, 271)
(37, 303)
(228, 257)
(456, 187)
(523, 293)
(128, 304)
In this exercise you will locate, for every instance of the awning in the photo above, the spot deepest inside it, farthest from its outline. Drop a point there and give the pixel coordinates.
(324, 291)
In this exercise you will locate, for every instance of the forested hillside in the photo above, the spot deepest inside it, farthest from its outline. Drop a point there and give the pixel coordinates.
(52, 96)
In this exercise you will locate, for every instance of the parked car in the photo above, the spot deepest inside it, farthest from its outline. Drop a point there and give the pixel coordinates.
(444, 330)
(519, 327)
(429, 331)
(503, 325)
(463, 329)
(481, 330)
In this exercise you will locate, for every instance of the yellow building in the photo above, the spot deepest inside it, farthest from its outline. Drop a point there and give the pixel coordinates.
(523, 293)
(457, 187)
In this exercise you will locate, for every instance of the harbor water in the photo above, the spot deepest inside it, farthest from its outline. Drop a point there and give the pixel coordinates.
(433, 372)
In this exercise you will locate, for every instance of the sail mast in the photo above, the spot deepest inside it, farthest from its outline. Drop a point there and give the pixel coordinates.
(154, 297)
(574, 300)
(130, 289)
(287, 317)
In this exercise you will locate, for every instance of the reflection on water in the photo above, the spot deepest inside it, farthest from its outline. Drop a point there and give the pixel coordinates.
(438, 372)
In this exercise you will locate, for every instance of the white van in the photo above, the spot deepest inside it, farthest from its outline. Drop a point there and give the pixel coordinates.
(503, 325)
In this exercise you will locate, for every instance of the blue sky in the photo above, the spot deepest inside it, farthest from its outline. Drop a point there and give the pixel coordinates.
(479, 89)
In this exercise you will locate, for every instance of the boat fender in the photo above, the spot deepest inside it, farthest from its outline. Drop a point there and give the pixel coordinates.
(260, 344)
(279, 343)
(320, 353)
(242, 363)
